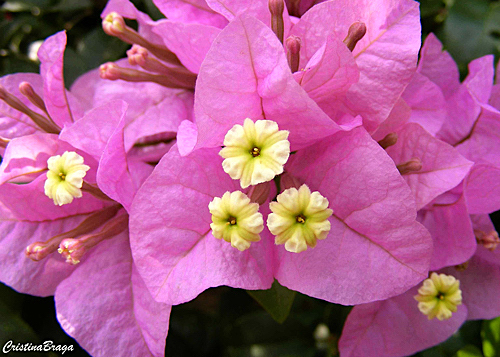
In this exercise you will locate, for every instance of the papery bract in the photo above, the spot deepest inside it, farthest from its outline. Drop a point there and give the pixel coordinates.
(174, 199)
(395, 327)
(247, 65)
(442, 166)
(190, 12)
(386, 55)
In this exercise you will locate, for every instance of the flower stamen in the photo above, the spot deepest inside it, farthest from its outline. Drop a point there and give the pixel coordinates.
(114, 25)
(74, 249)
(113, 72)
(300, 219)
(39, 250)
(276, 8)
(42, 122)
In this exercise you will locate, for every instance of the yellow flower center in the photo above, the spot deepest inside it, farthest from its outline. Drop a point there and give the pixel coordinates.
(255, 152)
(236, 220)
(65, 177)
(439, 296)
(299, 218)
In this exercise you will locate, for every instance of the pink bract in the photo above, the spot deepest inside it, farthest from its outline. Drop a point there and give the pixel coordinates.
(374, 232)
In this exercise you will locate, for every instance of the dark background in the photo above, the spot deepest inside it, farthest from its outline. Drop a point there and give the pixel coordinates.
(221, 321)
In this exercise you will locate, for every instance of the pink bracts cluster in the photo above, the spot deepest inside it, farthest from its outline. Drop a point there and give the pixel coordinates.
(350, 171)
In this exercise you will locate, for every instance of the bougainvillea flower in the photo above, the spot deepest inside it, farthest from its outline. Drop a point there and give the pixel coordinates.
(151, 121)
(29, 167)
(65, 177)
(83, 232)
(442, 167)
(386, 55)
(469, 126)
(38, 103)
(103, 288)
(329, 70)
(427, 103)
(374, 218)
(471, 123)
(247, 65)
(447, 219)
(197, 11)
(396, 327)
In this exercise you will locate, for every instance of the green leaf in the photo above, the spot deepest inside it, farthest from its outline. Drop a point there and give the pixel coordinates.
(469, 351)
(277, 301)
(490, 335)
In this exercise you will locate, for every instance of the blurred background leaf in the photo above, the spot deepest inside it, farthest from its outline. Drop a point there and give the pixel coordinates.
(491, 337)
(469, 351)
(472, 30)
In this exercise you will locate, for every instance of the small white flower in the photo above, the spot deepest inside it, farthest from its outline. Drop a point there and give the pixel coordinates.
(255, 152)
(236, 220)
(65, 177)
(299, 218)
(439, 296)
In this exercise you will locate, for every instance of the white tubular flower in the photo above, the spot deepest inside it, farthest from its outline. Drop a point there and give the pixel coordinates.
(65, 177)
(299, 218)
(439, 296)
(236, 220)
(255, 152)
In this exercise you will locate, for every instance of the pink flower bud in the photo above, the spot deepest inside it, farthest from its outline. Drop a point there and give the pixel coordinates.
(411, 166)
(292, 44)
(355, 33)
